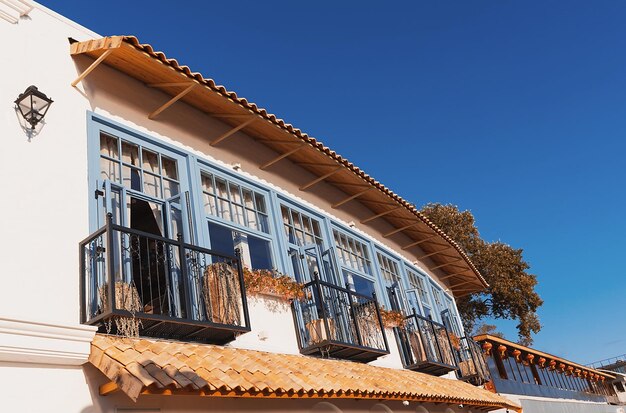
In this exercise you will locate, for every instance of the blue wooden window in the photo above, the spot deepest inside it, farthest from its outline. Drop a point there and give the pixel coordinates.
(392, 280)
(138, 168)
(234, 202)
(355, 263)
(417, 293)
(236, 217)
(301, 229)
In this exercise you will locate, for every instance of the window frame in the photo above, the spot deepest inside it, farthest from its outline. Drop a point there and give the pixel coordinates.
(373, 277)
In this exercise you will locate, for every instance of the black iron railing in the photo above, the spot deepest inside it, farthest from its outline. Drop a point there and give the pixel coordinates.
(472, 364)
(336, 322)
(426, 345)
(133, 282)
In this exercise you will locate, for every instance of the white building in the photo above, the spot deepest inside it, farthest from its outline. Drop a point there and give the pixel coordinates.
(165, 152)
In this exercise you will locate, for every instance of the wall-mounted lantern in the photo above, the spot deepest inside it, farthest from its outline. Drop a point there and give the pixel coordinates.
(33, 105)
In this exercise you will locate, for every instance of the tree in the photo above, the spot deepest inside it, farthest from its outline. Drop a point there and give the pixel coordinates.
(511, 293)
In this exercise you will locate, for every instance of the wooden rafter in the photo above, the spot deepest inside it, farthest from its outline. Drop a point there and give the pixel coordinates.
(413, 244)
(380, 202)
(283, 156)
(173, 100)
(460, 284)
(435, 253)
(308, 163)
(446, 264)
(349, 184)
(382, 214)
(108, 388)
(321, 178)
(230, 115)
(351, 197)
(233, 131)
(454, 274)
(92, 67)
(395, 231)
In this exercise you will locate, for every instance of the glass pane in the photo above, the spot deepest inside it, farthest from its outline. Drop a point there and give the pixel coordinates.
(316, 229)
(152, 185)
(170, 188)
(169, 168)
(221, 188)
(108, 146)
(150, 161)
(221, 239)
(251, 217)
(131, 178)
(224, 208)
(207, 183)
(238, 214)
(210, 205)
(285, 214)
(130, 153)
(260, 203)
(234, 193)
(109, 170)
(263, 223)
(260, 255)
(247, 198)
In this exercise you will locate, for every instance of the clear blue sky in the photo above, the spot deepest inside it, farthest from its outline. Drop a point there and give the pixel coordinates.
(514, 110)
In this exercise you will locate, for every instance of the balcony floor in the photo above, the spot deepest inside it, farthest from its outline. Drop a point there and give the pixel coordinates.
(432, 368)
(175, 329)
(344, 351)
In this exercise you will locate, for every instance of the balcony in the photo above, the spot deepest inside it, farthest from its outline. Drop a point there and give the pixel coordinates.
(472, 364)
(336, 322)
(426, 346)
(136, 283)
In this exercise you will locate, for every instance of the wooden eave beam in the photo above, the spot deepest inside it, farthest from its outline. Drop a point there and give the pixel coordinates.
(349, 184)
(351, 197)
(92, 67)
(231, 115)
(108, 388)
(382, 214)
(413, 244)
(233, 131)
(461, 283)
(321, 178)
(173, 100)
(435, 253)
(446, 264)
(283, 156)
(454, 274)
(308, 163)
(395, 231)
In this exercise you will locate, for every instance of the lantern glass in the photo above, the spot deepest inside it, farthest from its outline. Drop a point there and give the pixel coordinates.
(33, 105)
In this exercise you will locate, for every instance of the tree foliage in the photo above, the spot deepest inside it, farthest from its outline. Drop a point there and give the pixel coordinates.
(511, 293)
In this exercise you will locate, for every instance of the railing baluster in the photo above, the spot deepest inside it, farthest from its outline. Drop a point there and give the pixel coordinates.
(354, 320)
(322, 304)
(184, 276)
(110, 262)
(381, 328)
(242, 288)
(432, 327)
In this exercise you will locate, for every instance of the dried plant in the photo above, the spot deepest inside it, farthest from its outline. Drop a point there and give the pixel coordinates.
(126, 298)
(274, 283)
(391, 318)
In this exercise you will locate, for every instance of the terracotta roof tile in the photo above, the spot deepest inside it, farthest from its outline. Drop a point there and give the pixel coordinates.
(215, 370)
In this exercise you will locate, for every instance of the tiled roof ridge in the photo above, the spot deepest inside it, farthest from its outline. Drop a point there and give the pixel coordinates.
(134, 41)
(139, 366)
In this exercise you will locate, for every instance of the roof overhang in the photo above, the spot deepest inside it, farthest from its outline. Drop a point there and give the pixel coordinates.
(539, 354)
(141, 62)
(141, 367)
